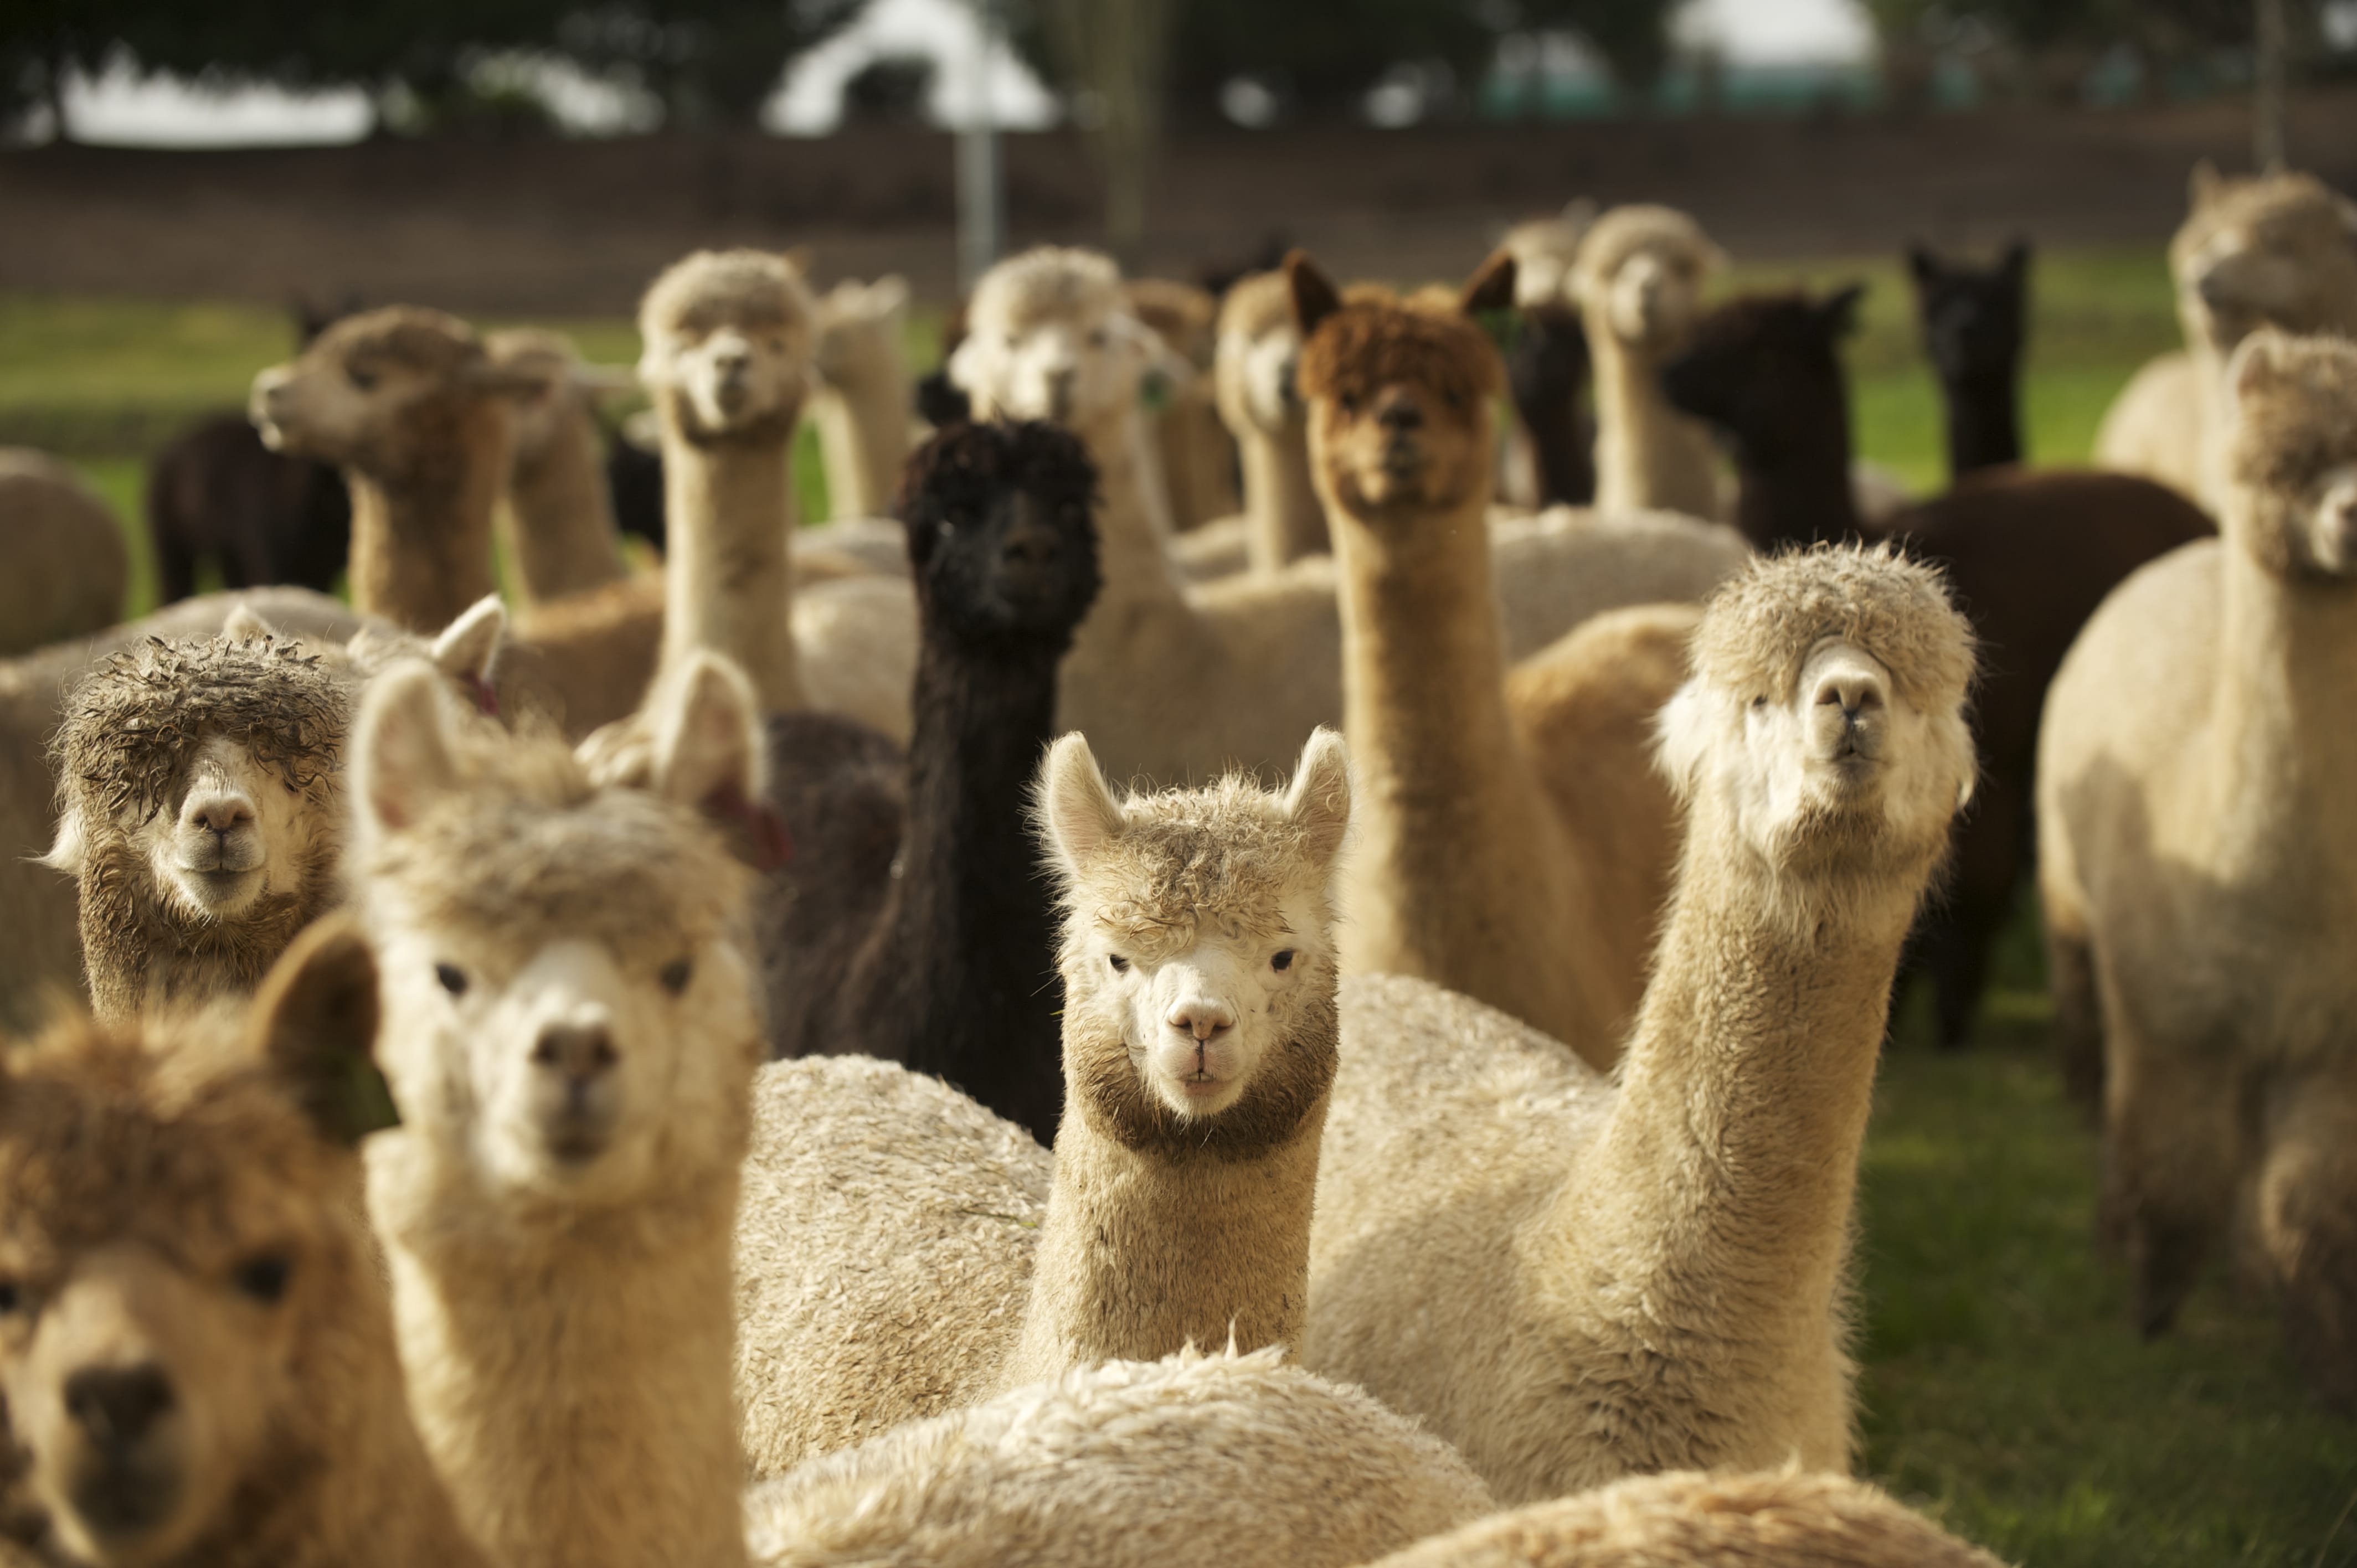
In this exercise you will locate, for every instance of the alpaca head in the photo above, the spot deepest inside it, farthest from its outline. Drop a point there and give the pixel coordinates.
(1974, 318)
(1257, 362)
(1001, 537)
(860, 328)
(387, 394)
(1639, 273)
(1823, 727)
(1543, 250)
(1399, 392)
(2291, 455)
(567, 987)
(728, 338)
(562, 389)
(1198, 950)
(187, 1286)
(2272, 249)
(1764, 370)
(1051, 336)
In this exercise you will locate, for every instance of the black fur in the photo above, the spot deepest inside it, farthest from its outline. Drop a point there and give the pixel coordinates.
(1974, 319)
(1548, 370)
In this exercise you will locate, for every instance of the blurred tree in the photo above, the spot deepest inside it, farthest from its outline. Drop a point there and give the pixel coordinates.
(710, 61)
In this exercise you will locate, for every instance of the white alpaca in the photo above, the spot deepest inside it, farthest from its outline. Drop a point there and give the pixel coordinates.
(1573, 1278)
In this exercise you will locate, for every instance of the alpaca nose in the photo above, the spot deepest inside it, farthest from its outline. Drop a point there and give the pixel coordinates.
(1854, 689)
(1201, 1016)
(1059, 379)
(1028, 547)
(581, 1052)
(116, 1406)
(222, 813)
(1400, 413)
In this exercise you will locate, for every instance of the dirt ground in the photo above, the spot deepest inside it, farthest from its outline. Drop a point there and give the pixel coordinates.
(576, 228)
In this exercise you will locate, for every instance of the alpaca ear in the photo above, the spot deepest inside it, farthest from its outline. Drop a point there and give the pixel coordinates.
(2203, 184)
(1314, 296)
(1682, 737)
(315, 1022)
(1580, 213)
(1492, 286)
(242, 623)
(798, 260)
(2015, 263)
(1838, 310)
(465, 649)
(494, 379)
(707, 738)
(2252, 365)
(1318, 800)
(1074, 806)
(1922, 265)
(401, 752)
(73, 847)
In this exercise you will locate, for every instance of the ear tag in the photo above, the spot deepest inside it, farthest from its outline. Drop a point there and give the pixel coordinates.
(1155, 391)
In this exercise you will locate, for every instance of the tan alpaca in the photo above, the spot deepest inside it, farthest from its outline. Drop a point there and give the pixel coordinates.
(866, 399)
(1775, 1518)
(1639, 276)
(1192, 449)
(67, 563)
(1471, 867)
(2272, 249)
(2198, 860)
(1256, 353)
(561, 534)
(1573, 1278)
(200, 803)
(570, 1035)
(199, 1365)
(1280, 1470)
(877, 1285)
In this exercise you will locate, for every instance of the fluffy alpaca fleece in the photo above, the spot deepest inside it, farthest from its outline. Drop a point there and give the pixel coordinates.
(1572, 1278)
(1196, 923)
(210, 1378)
(1468, 872)
(2198, 861)
(1773, 1519)
(560, 513)
(68, 565)
(570, 1035)
(1281, 1468)
(1639, 276)
(2272, 249)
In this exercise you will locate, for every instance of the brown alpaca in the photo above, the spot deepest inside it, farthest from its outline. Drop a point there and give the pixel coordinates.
(1575, 1278)
(1471, 864)
(1639, 276)
(1197, 924)
(67, 563)
(562, 533)
(2198, 860)
(198, 1356)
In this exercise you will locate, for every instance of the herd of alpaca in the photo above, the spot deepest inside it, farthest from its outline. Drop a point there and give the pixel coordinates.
(894, 1042)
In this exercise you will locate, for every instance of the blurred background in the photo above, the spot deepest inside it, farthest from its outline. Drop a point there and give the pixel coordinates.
(180, 184)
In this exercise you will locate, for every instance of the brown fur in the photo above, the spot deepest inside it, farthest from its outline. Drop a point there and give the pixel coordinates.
(1197, 458)
(68, 564)
(560, 513)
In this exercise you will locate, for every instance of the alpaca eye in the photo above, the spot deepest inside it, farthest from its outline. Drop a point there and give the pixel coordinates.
(1758, 701)
(264, 1278)
(453, 978)
(1120, 965)
(11, 1297)
(676, 974)
(363, 380)
(1284, 960)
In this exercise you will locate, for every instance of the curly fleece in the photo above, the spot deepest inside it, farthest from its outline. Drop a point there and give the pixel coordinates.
(1763, 625)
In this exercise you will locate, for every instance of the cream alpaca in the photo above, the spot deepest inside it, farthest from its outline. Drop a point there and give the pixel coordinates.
(1257, 350)
(2197, 859)
(1198, 972)
(1281, 1470)
(1483, 865)
(1573, 1278)
(1639, 276)
(570, 1035)
(199, 1363)
(2273, 250)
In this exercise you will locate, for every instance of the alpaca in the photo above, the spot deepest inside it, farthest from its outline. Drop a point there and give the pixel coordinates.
(1192, 449)
(570, 1033)
(865, 398)
(1974, 321)
(2270, 250)
(199, 1368)
(1258, 351)
(1282, 1469)
(945, 963)
(1573, 1278)
(1639, 276)
(562, 535)
(40, 941)
(200, 805)
(1772, 1518)
(2028, 555)
(68, 564)
(877, 1285)
(262, 517)
(1468, 871)
(1547, 368)
(2197, 857)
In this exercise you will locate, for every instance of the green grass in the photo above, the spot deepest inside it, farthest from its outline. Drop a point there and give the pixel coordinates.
(2002, 1389)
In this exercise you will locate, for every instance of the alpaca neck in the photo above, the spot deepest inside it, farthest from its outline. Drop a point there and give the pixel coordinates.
(1148, 1249)
(422, 545)
(1283, 519)
(1984, 421)
(563, 538)
(1139, 578)
(728, 566)
(571, 1370)
(967, 903)
(1647, 453)
(1565, 452)
(863, 431)
(1719, 1193)
(1796, 489)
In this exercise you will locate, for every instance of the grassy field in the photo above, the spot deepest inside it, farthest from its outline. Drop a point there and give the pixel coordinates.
(2002, 1389)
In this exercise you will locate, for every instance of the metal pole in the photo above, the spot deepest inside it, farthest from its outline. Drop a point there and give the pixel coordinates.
(982, 207)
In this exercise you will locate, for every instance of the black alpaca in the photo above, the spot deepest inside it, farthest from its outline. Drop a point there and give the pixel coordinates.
(2029, 556)
(1974, 320)
(1548, 370)
(933, 945)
